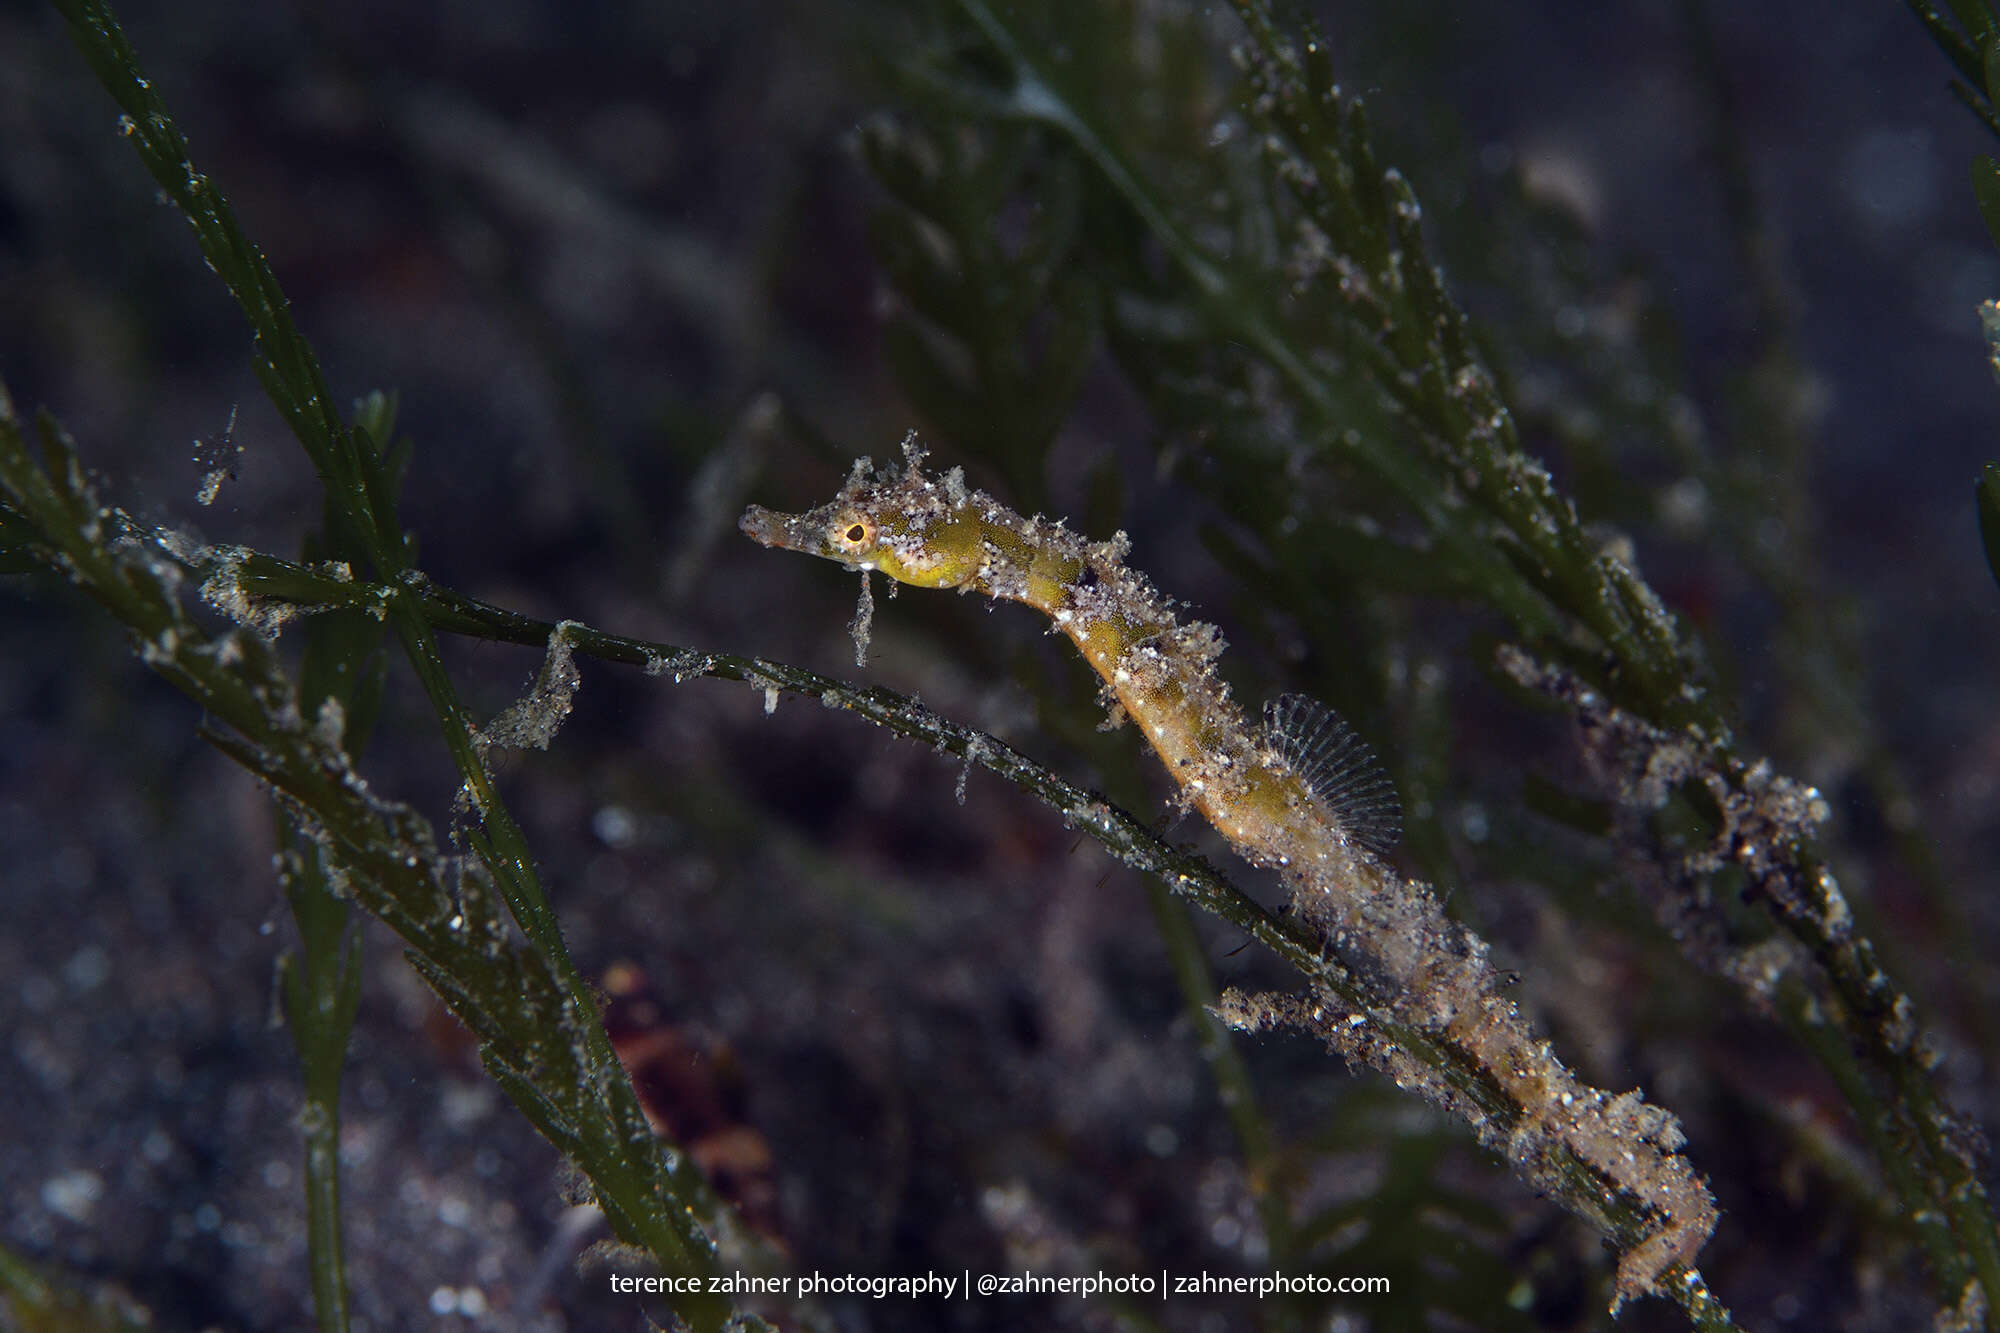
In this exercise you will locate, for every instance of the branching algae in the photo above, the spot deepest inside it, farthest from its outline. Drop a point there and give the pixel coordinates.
(1302, 795)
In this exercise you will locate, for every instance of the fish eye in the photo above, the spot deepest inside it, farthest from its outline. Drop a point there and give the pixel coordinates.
(854, 532)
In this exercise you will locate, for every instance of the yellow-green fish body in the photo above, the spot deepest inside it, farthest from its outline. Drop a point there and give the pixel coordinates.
(1300, 794)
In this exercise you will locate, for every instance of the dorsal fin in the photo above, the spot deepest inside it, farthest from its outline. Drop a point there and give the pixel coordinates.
(1342, 772)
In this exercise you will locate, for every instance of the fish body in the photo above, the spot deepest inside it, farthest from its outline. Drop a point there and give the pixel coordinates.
(1299, 794)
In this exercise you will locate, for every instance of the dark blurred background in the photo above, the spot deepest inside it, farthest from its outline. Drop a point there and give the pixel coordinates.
(597, 248)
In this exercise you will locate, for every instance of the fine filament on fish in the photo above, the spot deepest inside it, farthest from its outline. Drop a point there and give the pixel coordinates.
(1301, 794)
